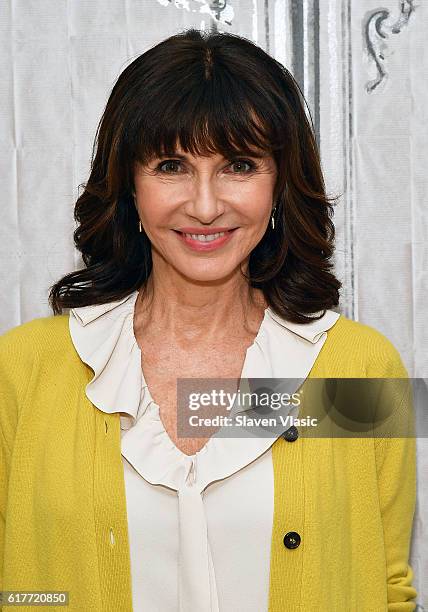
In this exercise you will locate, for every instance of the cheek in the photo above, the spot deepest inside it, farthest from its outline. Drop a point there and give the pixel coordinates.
(152, 205)
(256, 199)
(257, 210)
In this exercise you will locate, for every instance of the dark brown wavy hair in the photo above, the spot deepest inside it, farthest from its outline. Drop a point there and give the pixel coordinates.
(212, 93)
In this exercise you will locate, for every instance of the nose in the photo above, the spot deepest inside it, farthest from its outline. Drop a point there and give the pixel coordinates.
(204, 204)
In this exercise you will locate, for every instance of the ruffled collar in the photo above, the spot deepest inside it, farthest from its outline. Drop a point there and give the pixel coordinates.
(103, 336)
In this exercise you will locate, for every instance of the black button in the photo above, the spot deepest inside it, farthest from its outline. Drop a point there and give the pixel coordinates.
(292, 539)
(291, 434)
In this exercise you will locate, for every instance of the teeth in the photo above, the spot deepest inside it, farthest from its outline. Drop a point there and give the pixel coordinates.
(205, 238)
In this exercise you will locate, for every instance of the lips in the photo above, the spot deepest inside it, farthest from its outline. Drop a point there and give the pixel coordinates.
(205, 232)
(205, 245)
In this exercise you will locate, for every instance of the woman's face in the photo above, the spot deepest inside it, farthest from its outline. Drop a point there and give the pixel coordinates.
(179, 194)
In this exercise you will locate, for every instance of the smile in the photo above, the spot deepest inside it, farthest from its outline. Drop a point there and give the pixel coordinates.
(205, 242)
(205, 237)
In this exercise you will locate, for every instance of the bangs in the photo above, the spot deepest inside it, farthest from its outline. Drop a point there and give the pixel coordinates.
(206, 116)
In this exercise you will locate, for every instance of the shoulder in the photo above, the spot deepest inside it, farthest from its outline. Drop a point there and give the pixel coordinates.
(360, 349)
(28, 353)
(25, 351)
(35, 335)
(23, 345)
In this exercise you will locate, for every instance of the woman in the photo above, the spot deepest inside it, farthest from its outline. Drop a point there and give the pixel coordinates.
(206, 236)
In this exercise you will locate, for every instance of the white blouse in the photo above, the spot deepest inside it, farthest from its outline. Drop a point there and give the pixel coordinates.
(199, 536)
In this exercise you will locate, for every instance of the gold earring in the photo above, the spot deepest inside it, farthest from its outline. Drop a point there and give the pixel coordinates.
(140, 227)
(272, 218)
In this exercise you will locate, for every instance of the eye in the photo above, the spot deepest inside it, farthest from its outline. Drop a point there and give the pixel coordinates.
(170, 164)
(241, 163)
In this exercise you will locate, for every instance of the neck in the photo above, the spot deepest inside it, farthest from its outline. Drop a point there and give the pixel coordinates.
(199, 311)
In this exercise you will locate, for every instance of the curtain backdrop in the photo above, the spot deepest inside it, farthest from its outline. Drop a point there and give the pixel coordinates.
(362, 66)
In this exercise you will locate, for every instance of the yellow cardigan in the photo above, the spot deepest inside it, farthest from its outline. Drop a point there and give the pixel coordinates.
(62, 487)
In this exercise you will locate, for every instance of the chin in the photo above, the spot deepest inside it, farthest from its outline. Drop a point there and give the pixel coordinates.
(207, 273)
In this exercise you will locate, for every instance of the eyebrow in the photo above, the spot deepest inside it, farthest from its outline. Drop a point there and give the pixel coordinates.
(238, 154)
(172, 154)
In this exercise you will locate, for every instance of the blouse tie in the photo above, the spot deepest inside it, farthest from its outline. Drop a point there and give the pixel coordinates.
(197, 585)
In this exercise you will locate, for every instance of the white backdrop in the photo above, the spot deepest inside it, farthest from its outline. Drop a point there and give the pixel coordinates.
(363, 71)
